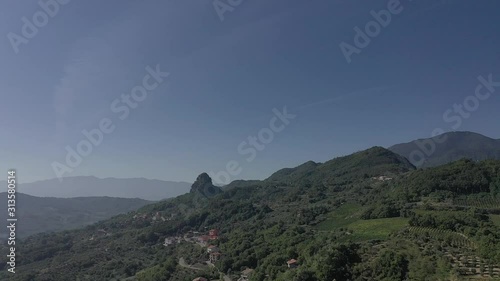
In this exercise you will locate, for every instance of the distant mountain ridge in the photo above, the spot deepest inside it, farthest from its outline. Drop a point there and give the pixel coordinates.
(47, 214)
(448, 147)
(88, 186)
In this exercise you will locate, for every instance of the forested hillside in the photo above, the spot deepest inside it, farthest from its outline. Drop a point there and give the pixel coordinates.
(48, 214)
(367, 216)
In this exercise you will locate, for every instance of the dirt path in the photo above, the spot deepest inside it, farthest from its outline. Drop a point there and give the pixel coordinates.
(182, 262)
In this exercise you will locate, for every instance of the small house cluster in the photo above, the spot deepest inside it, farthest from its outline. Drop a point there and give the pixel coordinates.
(100, 233)
(172, 240)
(202, 239)
(154, 217)
(382, 178)
(140, 217)
(214, 253)
(246, 274)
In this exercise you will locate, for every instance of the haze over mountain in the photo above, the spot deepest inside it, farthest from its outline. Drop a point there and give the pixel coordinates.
(47, 214)
(86, 186)
(447, 148)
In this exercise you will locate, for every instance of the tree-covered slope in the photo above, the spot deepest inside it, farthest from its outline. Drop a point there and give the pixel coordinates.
(374, 162)
(463, 177)
(410, 225)
(48, 214)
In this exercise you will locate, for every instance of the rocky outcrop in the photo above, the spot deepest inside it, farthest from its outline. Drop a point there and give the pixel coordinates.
(204, 186)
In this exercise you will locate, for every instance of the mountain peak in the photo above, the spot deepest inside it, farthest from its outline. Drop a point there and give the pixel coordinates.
(203, 179)
(448, 147)
(204, 185)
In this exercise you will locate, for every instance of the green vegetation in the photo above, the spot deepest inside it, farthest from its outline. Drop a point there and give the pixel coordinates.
(47, 214)
(338, 173)
(376, 229)
(347, 217)
(450, 237)
(341, 217)
(368, 216)
(495, 219)
(488, 202)
(463, 177)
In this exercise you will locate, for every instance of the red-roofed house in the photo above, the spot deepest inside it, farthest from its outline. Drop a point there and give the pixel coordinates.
(214, 234)
(212, 249)
(203, 240)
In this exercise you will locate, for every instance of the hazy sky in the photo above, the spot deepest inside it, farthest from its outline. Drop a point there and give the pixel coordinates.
(226, 77)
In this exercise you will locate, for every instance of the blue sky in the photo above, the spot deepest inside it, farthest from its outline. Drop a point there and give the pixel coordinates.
(226, 77)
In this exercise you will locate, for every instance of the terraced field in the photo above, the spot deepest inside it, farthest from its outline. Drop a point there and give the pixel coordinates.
(341, 217)
(348, 217)
(454, 239)
(376, 229)
(474, 267)
(481, 203)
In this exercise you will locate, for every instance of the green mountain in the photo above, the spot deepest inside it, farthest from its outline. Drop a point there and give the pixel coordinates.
(366, 216)
(376, 161)
(447, 148)
(48, 214)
